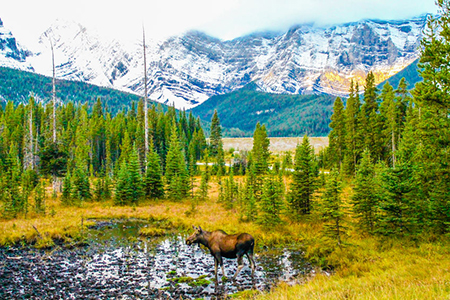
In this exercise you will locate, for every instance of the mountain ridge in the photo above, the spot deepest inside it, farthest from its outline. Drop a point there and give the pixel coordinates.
(186, 70)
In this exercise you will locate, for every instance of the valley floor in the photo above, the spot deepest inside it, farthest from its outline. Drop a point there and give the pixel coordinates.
(277, 144)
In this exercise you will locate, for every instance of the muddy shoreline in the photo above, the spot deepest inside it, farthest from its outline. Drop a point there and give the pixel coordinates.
(115, 264)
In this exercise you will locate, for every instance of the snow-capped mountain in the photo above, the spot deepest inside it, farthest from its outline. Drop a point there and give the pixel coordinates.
(12, 55)
(186, 70)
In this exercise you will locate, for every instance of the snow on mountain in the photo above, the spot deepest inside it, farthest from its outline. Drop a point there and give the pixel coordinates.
(12, 55)
(186, 70)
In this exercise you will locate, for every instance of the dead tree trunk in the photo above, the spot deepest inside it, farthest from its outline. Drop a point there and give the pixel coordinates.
(145, 100)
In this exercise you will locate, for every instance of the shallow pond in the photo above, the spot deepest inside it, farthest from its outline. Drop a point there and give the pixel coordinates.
(118, 265)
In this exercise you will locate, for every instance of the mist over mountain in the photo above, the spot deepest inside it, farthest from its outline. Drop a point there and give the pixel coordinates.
(188, 69)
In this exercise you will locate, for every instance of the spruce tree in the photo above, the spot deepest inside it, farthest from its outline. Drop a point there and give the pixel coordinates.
(12, 177)
(260, 150)
(216, 146)
(98, 190)
(81, 190)
(331, 208)
(369, 119)
(136, 185)
(303, 182)
(352, 139)
(365, 197)
(229, 190)
(433, 133)
(39, 198)
(402, 102)
(271, 202)
(337, 134)
(66, 197)
(215, 138)
(397, 215)
(122, 194)
(154, 186)
(204, 182)
(388, 119)
(176, 172)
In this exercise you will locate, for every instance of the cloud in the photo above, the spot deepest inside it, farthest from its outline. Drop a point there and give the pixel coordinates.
(225, 19)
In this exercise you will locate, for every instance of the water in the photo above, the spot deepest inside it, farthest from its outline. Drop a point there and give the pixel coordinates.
(118, 265)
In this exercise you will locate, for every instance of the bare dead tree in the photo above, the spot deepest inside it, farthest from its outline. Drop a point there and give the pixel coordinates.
(53, 93)
(145, 99)
(54, 106)
(29, 161)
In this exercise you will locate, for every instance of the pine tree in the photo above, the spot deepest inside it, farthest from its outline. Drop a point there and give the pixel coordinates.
(12, 177)
(216, 146)
(337, 134)
(215, 138)
(332, 208)
(352, 139)
(154, 186)
(260, 150)
(81, 190)
(66, 196)
(271, 202)
(397, 212)
(122, 192)
(247, 202)
(303, 179)
(29, 181)
(369, 124)
(229, 191)
(107, 188)
(389, 125)
(433, 132)
(204, 182)
(286, 163)
(402, 100)
(136, 185)
(365, 197)
(39, 198)
(98, 191)
(176, 173)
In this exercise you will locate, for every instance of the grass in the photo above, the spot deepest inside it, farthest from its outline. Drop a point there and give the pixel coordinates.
(67, 223)
(152, 232)
(199, 281)
(364, 268)
(370, 269)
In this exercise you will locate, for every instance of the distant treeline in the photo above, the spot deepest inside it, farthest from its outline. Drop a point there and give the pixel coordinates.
(17, 86)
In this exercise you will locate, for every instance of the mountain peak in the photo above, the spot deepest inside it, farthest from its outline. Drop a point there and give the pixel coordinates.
(190, 68)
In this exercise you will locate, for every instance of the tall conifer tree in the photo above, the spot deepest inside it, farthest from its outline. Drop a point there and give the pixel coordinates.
(337, 134)
(304, 176)
(154, 186)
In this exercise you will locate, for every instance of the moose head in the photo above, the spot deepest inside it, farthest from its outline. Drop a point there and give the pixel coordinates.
(196, 237)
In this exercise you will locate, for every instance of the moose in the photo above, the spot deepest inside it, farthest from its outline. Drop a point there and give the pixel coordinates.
(221, 244)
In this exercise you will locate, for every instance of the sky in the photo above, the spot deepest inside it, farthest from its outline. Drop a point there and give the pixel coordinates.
(224, 19)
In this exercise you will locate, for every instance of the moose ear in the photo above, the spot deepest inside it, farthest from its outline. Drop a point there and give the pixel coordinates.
(195, 228)
(200, 229)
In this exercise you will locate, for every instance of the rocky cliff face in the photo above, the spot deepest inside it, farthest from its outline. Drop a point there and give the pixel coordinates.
(186, 70)
(12, 55)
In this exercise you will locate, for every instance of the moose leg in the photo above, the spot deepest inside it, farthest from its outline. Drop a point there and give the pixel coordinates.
(215, 268)
(219, 261)
(252, 262)
(240, 266)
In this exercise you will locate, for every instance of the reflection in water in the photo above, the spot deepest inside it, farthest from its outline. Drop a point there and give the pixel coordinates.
(116, 264)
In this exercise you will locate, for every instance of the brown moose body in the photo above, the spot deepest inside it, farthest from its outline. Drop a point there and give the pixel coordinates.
(221, 244)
